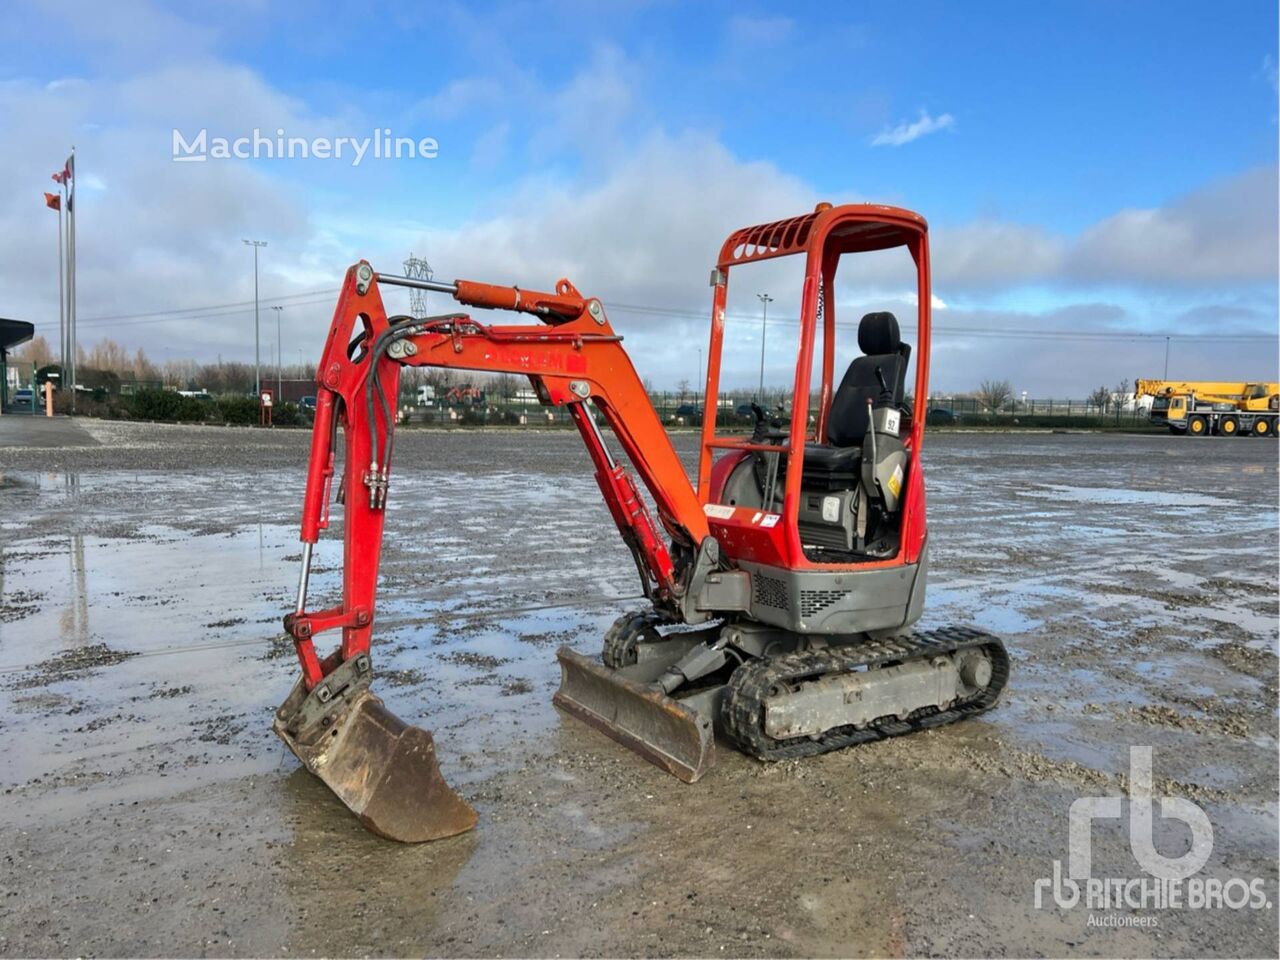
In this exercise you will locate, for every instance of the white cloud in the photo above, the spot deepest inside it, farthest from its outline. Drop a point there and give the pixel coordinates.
(1223, 232)
(905, 132)
(647, 233)
(459, 97)
(988, 253)
(1220, 234)
(1070, 368)
(591, 109)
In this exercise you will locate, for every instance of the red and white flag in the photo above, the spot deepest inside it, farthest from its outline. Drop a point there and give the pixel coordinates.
(68, 171)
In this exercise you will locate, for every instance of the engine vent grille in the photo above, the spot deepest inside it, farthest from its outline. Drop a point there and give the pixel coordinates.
(813, 602)
(769, 592)
(828, 535)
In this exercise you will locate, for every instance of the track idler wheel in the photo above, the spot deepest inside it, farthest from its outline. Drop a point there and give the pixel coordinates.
(626, 634)
(382, 768)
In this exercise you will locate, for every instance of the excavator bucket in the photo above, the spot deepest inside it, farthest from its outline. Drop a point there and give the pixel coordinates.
(382, 768)
(628, 707)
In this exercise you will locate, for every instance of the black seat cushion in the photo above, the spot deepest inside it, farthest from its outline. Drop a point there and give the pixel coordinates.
(819, 457)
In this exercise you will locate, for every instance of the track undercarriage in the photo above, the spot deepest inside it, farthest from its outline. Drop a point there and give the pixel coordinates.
(664, 689)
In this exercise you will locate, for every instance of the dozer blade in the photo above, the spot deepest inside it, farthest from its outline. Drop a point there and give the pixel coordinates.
(383, 769)
(637, 715)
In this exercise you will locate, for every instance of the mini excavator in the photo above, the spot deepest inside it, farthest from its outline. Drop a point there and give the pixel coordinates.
(781, 588)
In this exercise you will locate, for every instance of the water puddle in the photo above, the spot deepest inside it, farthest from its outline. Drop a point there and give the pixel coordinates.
(173, 636)
(1122, 496)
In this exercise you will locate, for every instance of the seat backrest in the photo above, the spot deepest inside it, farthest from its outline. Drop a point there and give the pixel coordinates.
(882, 346)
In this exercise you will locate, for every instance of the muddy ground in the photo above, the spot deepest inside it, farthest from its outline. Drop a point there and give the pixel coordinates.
(147, 809)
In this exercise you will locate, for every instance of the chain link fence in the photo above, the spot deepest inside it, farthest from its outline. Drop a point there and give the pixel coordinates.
(676, 409)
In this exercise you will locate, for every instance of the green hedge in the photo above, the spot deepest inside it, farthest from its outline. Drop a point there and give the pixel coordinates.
(174, 407)
(168, 405)
(287, 414)
(238, 410)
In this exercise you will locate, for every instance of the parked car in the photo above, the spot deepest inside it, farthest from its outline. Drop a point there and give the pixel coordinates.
(689, 413)
(24, 398)
(308, 404)
(941, 417)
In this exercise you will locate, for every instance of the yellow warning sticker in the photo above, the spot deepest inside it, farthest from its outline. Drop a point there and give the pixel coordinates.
(895, 482)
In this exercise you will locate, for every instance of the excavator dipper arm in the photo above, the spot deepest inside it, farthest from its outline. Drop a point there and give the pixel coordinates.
(577, 361)
(573, 359)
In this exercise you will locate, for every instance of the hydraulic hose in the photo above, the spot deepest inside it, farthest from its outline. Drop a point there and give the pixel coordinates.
(373, 382)
(401, 326)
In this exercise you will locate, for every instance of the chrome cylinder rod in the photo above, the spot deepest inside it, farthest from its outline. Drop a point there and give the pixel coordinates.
(589, 414)
(304, 577)
(437, 286)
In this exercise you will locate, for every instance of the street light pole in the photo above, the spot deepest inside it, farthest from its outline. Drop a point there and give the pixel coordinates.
(279, 359)
(765, 300)
(257, 350)
(1166, 358)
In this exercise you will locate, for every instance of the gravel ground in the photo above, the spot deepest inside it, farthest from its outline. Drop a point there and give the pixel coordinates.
(149, 811)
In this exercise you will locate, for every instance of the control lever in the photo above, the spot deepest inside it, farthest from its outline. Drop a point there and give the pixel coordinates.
(885, 392)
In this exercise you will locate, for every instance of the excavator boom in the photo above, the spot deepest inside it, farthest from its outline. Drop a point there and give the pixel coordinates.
(573, 359)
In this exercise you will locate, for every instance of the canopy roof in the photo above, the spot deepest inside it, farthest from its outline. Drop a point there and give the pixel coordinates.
(14, 332)
(850, 228)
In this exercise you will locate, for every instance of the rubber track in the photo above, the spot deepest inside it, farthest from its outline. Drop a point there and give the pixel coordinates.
(620, 638)
(748, 689)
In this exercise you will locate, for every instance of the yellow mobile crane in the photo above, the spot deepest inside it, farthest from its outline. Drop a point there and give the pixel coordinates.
(1200, 408)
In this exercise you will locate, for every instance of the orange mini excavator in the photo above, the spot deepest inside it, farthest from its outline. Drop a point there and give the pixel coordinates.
(781, 588)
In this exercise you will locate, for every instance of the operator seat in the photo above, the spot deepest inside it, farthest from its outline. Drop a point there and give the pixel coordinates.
(836, 463)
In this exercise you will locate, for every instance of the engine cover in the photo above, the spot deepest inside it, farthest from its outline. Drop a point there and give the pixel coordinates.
(828, 519)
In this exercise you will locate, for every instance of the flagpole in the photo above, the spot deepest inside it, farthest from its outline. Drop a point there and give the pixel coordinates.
(62, 307)
(71, 296)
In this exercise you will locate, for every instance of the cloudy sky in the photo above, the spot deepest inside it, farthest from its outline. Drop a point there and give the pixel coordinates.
(1095, 175)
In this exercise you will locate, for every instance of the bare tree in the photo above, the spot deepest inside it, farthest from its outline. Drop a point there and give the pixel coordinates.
(1100, 398)
(143, 368)
(182, 374)
(1119, 394)
(36, 350)
(440, 379)
(994, 394)
(505, 386)
(683, 387)
(106, 354)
